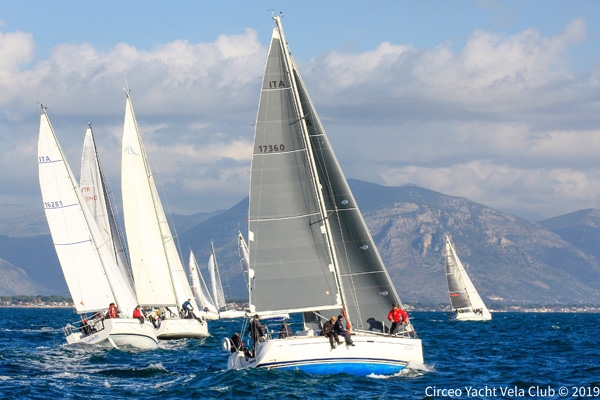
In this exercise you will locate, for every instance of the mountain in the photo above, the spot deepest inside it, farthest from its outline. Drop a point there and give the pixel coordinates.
(510, 259)
(15, 281)
(34, 255)
(580, 228)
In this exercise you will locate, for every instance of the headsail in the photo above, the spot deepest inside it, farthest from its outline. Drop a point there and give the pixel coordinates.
(94, 191)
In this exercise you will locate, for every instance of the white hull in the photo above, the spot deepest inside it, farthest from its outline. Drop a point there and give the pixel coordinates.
(209, 315)
(182, 328)
(372, 354)
(471, 316)
(118, 332)
(232, 314)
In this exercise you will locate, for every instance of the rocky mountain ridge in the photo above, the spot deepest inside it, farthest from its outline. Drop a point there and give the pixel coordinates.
(509, 259)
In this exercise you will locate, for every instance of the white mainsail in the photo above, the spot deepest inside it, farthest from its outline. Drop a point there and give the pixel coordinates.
(199, 288)
(464, 298)
(309, 248)
(76, 237)
(158, 272)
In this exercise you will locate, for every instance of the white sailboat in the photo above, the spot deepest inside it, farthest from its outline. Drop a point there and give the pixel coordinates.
(207, 307)
(310, 250)
(466, 302)
(88, 264)
(158, 273)
(217, 288)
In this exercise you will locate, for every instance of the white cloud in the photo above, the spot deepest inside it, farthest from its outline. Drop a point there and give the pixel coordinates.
(504, 120)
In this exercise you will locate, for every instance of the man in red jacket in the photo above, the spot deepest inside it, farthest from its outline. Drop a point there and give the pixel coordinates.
(397, 316)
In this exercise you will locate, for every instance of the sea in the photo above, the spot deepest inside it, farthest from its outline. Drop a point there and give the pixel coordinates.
(516, 355)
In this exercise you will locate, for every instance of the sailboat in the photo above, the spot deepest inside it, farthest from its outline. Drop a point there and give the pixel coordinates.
(201, 292)
(217, 288)
(160, 279)
(310, 250)
(93, 277)
(466, 302)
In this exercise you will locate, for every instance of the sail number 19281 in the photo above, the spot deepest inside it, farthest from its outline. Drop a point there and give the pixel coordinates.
(270, 148)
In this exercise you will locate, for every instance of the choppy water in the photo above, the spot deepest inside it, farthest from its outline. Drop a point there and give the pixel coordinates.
(516, 355)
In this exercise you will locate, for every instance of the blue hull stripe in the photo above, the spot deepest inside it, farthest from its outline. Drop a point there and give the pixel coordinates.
(352, 366)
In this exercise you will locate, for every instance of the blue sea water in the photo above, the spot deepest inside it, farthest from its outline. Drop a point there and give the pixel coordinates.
(516, 355)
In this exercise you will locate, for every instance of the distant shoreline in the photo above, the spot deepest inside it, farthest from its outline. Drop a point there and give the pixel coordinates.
(33, 306)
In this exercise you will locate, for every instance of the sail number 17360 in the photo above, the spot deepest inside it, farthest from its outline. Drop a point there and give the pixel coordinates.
(270, 148)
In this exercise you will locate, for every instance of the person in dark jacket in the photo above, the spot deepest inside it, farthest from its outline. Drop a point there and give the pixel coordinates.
(256, 332)
(188, 309)
(329, 331)
(285, 330)
(340, 329)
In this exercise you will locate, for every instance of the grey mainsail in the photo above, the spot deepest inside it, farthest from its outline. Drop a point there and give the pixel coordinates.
(291, 263)
(456, 285)
(310, 244)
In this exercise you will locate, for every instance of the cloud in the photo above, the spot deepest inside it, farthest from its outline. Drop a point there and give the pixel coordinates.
(505, 120)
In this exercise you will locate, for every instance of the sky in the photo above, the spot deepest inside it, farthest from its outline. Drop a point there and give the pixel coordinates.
(494, 101)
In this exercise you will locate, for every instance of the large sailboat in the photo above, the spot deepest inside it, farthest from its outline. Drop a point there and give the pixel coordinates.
(160, 279)
(466, 302)
(93, 276)
(310, 250)
(203, 298)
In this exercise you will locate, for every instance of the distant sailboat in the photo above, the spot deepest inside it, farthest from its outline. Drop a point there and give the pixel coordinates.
(160, 279)
(310, 251)
(204, 300)
(91, 271)
(217, 288)
(466, 302)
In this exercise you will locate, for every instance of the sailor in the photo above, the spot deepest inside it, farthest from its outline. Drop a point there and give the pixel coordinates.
(329, 331)
(188, 309)
(398, 317)
(112, 311)
(137, 313)
(340, 329)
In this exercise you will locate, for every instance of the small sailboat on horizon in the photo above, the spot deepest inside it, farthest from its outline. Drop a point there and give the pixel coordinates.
(465, 299)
